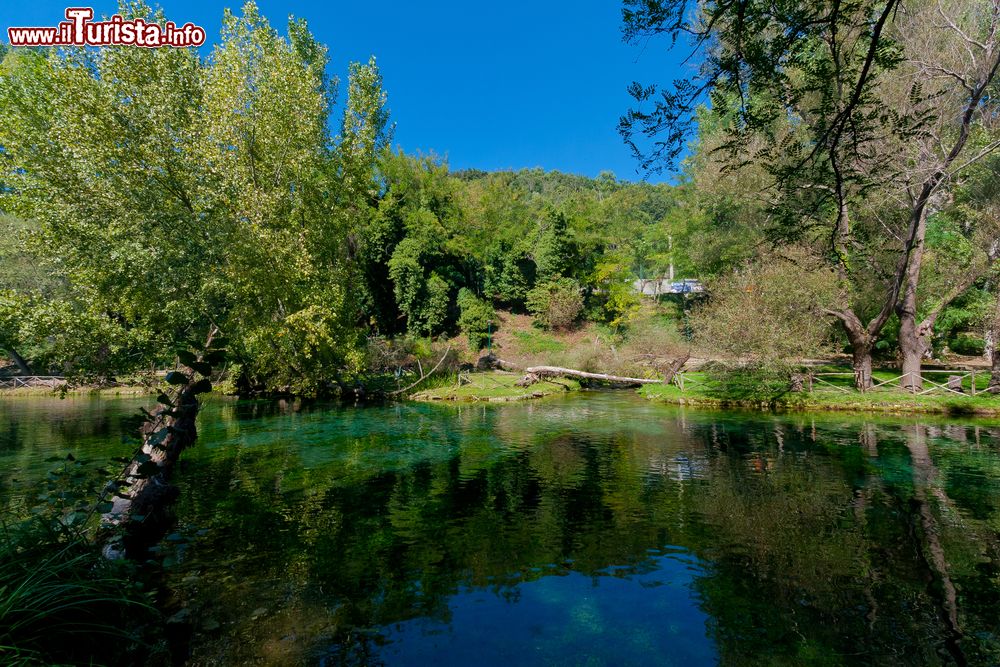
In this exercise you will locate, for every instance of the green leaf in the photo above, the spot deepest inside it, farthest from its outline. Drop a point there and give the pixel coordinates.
(177, 378)
(202, 386)
(201, 367)
(214, 357)
(147, 469)
(157, 438)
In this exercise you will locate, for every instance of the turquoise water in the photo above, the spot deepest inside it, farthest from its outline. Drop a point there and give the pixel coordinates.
(596, 529)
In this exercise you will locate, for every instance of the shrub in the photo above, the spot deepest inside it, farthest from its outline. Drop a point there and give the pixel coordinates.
(475, 318)
(969, 345)
(751, 381)
(556, 304)
(616, 303)
(770, 311)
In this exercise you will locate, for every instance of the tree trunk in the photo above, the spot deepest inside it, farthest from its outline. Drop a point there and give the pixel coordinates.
(19, 361)
(994, 372)
(913, 337)
(862, 362)
(861, 349)
(914, 341)
(143, 511)
(140, 508)
(991, 346)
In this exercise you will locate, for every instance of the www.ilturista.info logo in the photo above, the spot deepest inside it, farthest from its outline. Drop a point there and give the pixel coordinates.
(79, 30)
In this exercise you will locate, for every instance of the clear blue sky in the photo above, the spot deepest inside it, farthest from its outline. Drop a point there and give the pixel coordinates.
(491, 85)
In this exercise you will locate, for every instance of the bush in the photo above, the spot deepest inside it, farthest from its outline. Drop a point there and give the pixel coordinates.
(752, 381)
(969, 345)
(556, 304)
(475, 318)
(770, 311)
(615, 302)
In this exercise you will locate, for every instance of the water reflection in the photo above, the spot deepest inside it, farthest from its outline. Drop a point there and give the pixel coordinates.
(598, 529)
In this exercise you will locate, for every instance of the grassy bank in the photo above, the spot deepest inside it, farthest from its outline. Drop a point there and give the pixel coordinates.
(493, 387)
(85, 390)
(700, 389)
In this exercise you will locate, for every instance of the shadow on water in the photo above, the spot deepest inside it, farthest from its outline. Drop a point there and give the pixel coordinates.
(593, 529)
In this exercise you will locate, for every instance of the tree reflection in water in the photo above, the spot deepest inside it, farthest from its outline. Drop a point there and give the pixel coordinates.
(595, 529)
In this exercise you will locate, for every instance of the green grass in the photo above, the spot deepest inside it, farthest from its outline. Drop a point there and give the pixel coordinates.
(62, 602)
(700, 389)
(493, 387)
(536, 342)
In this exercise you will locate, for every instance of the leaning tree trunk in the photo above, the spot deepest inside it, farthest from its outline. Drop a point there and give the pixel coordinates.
(19, 361)
(143, 496)
(143, 511)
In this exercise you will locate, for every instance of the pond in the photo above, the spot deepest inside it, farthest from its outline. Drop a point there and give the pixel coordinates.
(594, 529)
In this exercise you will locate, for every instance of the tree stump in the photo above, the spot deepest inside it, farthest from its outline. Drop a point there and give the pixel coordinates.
(955, 383)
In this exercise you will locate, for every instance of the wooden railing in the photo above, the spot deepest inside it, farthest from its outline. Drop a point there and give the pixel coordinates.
(17, 381)
(954, 383)
(957, 388)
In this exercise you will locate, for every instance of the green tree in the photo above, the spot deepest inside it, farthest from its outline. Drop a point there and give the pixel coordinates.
(508, 273)
(556, 303)
(770, 312)
(554, 253)
(845, 109)
(176, 193)
(476, 318)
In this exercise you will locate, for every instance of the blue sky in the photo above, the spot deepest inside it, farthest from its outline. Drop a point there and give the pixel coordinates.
(488, 85)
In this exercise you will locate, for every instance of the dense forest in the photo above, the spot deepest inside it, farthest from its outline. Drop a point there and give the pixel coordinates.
(845, 205)
(151, 194)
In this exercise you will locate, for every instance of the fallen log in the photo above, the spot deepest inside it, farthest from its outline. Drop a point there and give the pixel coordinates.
(489, 362)
(534, 373)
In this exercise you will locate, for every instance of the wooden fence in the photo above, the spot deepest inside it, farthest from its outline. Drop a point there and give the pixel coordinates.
(17, 381)
(955, 382)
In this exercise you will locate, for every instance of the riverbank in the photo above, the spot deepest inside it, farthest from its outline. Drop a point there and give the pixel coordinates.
(85, 390)
(494, 387)
(701, 391)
